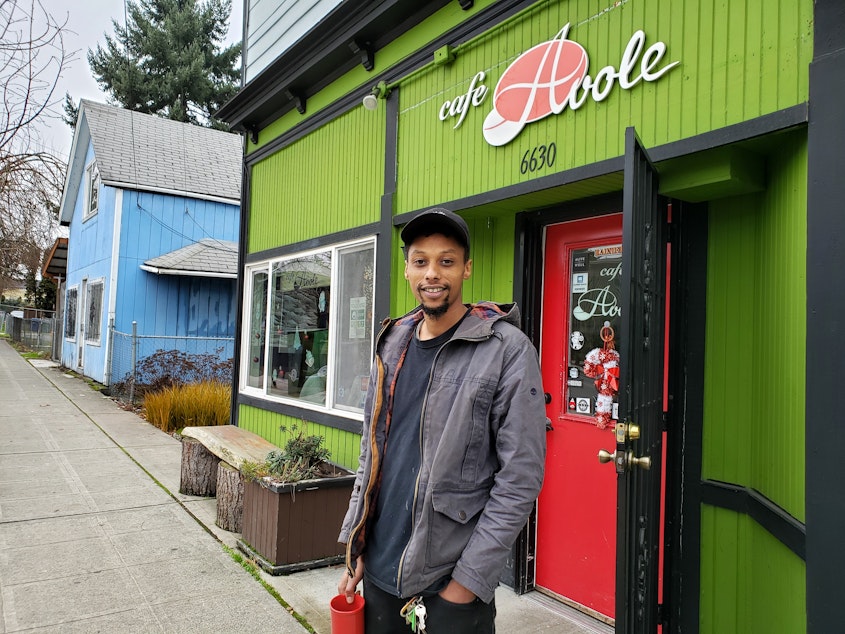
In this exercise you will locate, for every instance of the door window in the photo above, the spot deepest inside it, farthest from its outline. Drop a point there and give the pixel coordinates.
(594, 326)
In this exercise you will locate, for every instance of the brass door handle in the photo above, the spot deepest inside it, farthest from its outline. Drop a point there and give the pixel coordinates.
(606, 456)
(626, 461)
(643, 462)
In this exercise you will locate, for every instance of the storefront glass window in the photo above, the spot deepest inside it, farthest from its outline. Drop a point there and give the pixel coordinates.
(299, 332)
(257, 324)
(319, 342)
(355, 326)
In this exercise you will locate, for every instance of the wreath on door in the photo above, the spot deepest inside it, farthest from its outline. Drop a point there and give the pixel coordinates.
(602, 364)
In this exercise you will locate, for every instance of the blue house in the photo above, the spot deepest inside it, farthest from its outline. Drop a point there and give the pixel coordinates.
(152, 207)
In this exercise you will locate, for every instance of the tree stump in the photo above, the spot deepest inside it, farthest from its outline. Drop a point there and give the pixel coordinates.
(198, 474)
(230, 497)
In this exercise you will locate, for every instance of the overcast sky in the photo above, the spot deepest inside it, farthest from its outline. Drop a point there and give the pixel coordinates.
(88, 22)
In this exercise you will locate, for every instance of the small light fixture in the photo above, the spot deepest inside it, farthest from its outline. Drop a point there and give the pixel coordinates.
(371, 101)
(379, 91)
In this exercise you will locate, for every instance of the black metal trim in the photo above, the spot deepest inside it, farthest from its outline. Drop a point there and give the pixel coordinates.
(243, 237)
(687, 315)
(323, 418)
(783, 526)
(825, 497)
(384, 245)
(313, 243)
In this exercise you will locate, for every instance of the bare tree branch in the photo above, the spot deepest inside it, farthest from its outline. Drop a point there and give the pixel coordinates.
(32, 58)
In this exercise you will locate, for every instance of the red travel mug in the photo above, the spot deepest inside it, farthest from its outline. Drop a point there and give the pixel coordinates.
(347, 618)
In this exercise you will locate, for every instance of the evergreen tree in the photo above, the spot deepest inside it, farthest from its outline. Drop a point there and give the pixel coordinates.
(30, 289)
(45, 294)
(41, 293)
(71, 112)
(167, 60)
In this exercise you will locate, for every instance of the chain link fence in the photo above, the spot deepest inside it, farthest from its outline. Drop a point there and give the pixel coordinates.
(144, 363)
(33, 328)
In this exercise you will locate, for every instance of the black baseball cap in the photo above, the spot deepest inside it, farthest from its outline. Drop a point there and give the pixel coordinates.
(436, 220)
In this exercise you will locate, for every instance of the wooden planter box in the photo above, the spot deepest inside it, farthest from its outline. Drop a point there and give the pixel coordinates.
(292, 527)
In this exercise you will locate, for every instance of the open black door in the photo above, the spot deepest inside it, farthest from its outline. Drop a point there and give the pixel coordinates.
(639, 432)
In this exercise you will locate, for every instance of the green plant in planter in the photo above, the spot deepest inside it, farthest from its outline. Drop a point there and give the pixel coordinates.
(293, 503)
(302, 458)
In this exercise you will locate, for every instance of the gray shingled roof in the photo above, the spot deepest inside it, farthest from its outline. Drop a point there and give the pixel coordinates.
(141, 151)
(218, 258)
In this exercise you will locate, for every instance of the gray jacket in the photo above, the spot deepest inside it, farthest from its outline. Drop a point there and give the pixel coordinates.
(483, 449)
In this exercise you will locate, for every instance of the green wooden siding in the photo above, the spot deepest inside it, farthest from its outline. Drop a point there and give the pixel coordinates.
(750, 582)
(738, 60)
(328, 181)
(756, 329)
(345, 446)
(754, 396)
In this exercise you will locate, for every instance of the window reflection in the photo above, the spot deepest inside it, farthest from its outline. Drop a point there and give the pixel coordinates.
(300, 327)
(258, 310)
(318, 325)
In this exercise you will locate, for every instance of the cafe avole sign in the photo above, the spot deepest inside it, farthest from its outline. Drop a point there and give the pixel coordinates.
(550, 77)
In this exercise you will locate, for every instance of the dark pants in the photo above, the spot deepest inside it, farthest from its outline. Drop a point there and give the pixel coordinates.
(381, 615)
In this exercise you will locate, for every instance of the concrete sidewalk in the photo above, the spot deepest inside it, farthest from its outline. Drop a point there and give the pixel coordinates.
(95, 536)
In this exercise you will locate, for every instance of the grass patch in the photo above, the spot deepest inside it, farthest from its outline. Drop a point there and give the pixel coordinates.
(27, 352)
(192, 405)
(252, 570)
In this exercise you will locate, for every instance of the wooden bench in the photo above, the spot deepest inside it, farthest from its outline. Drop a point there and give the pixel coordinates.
(211, 461)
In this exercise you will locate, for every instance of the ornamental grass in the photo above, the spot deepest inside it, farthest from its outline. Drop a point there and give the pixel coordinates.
(191, 405)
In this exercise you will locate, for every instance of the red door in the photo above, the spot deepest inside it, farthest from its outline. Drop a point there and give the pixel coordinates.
(576, 513)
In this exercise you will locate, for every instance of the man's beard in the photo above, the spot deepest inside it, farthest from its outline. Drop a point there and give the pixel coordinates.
(436, 311)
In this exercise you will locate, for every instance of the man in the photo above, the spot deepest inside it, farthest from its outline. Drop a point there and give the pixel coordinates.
(453, 447)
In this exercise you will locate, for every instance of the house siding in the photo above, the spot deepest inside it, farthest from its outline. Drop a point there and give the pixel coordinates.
(756, 325)
(273, 27)
(750, 582)
(754, 401)
(155, 224)
(89, 251)
(328, 181)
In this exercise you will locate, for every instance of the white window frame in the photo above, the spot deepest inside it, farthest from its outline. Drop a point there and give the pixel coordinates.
(92, 190)
(68, 303)
(89, 296)
(333, 334)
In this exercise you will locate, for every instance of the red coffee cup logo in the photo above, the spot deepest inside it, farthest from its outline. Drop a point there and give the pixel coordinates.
(553, 75)
(534, 86)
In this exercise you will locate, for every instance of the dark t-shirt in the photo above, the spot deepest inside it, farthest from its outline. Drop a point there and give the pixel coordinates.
(391, 528)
